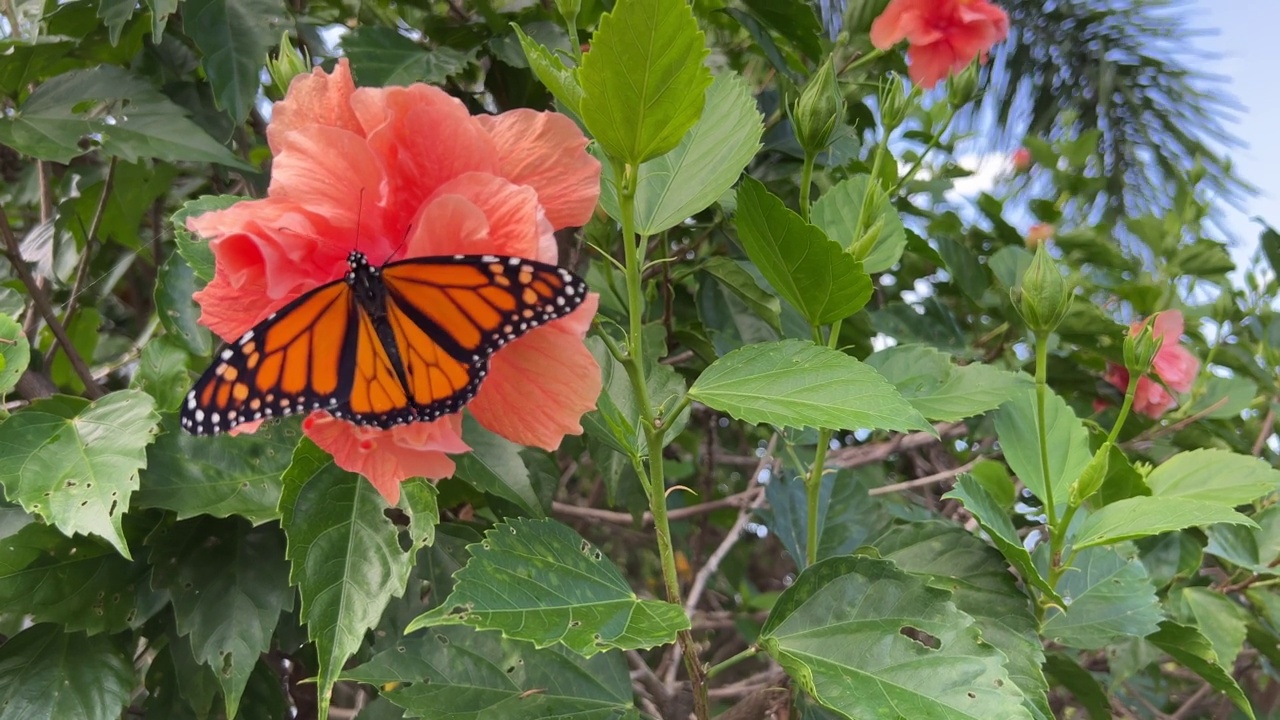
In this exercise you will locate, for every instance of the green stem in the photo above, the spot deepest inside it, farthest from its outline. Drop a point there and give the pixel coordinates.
(1125, 408)
(1042, 391)
(806, 180)
(813, 489)
(718, 668)
(870, 57)
(655, 434)
(915, 167)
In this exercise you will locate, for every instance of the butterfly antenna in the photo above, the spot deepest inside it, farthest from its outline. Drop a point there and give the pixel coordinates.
(403, 241)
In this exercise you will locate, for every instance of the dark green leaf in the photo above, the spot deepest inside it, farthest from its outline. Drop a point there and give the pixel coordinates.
(233, 36)
(870, 640)
(1187, 646)
(1220, 619)
(812, 272)
(84, 335)
(1256, 550)
(382, 56)
(793, 20)
(737, 280)
(494, 466)
(114, 14)
(1107, 597)
(162, 372)
(76, 463)
(1269, 239)
(193, 249)
(463, 674)
(1082, 684)
(839, 210)
(982, 587)
(229, 583)
(794, 383)
(346, 557)
(847, 516)
(643, 80)
(705, 165)
(551, 70)
(178, 312)
(994, 520)
(48, 673)
(537, 580)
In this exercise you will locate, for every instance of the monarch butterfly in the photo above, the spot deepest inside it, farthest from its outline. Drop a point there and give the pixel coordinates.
(382, 346)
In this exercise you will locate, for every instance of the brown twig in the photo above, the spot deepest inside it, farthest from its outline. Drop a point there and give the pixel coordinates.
(45, 308)
(620, 518)
(926, 480)
(1267, 429)
(82, 270)
(1184, 710)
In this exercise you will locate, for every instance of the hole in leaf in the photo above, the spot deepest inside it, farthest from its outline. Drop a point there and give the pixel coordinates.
(585, 547)
(598, 556)
(511, 669)
(920, 636)
(971, 695)
(443, 640)
(575, 623)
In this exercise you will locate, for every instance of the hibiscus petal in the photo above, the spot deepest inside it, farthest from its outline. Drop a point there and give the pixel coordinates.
(540, 385)
(930, 63)
(448, 225)
(1151, 399)
(1176, 366)
(511, 215)
(389, 457)
(319, 98)
(332, 172)
(546, 152)
(899, 19)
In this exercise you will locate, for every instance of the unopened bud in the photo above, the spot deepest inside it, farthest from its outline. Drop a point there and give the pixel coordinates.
(284, 66)
(894, 103)
(962, 86)
(569, 9)
(1141, 347)
(818, 111)
(1090, 480)
(1038, 234)
(1045, 296)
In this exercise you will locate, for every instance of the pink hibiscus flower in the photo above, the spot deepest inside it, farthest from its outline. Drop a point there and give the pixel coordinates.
(1173, 364)
(408, 169)
(944, 36)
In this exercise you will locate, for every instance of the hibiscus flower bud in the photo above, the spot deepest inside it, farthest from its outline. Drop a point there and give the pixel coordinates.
(894, 103)
(1045, 296)
(1038, 234)
(818, 111)
(1090, 480)
(569, 9)
(1140, 349)
(1021, 160)
(284, 66)
(963, 86)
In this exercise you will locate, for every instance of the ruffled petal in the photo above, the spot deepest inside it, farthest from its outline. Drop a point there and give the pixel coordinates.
(930, 63)
(541, 384)
(899, 19)
(448, 225)
(319, 98)
(1151, 399)
(510, 212)
(1177, 367)
(389, 457)
(547, 152)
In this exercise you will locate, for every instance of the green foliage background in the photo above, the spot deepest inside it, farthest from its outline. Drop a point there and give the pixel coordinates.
(840, 467)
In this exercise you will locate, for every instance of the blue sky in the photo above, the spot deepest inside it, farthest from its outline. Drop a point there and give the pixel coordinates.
(1249, 57)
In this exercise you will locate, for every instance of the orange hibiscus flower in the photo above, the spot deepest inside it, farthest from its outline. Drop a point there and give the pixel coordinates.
(408, 171)
(944, 35)
(1173, 364)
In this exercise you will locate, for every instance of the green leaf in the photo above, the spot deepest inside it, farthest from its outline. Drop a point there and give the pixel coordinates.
(847, 516)
(179, 314)
(494, 466)
(464, 674)
(165, 682)
(80, 583)
(1256, 550)
(84, 335)
(994, 520)
(75, 463)
(233, 36)
(123, 113)
(346, 557)
(812, 272)
(221, 476)
(194, 249)
(793, 20)
(1187, 646)
(1083, 685)
(114, 14)
(838, 210)
(982, 587)
(228, 583)
(1223, 398)
(617, 420)
(1067, 440)
(704, 166)
(382, 56)
(966, 272)
(551, 70)
(942, 391)
(1220, 619)
(162, 372)
(160, 12)
(48, 673)
(538, 580)
(852, 632)
(795, 383)
(1142, 516)
(1108, 598)
(1218, 477)
(643, 80)
(737, 280)
(15, 353)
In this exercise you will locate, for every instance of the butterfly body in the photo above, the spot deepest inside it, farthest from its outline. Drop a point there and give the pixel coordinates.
(381, 346)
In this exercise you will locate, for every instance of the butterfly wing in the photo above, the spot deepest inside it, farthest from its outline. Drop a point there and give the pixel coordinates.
(447, 316)
(300, 358)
